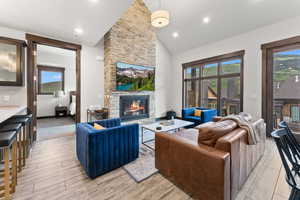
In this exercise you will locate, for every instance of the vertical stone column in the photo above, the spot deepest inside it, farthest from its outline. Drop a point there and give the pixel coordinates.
(131, 40)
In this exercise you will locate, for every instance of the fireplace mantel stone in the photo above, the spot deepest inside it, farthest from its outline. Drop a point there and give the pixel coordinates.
(131, 40)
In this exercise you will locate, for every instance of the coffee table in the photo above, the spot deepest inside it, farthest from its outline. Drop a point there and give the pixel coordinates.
(178, 124)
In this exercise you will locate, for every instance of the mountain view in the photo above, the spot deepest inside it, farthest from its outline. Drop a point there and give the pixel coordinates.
(135, 78)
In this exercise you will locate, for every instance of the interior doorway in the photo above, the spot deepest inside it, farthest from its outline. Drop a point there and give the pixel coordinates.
(56, 92)
(281, 83)
(47, 79)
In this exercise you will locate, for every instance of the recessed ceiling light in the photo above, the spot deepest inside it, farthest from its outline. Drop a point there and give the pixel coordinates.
(175, 35)
(206, 20)
(94, 1)
(78, 31)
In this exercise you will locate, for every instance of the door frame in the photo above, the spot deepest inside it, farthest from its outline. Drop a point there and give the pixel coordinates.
(267, 75)
(33, 41)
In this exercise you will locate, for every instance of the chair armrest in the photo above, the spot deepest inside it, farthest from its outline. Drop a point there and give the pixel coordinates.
(203, 171)
(187, 112)
(102, 150)
(108, 123)
(208, 115)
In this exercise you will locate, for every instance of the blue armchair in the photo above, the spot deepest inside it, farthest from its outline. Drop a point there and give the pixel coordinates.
(207, 115)
(100, 151)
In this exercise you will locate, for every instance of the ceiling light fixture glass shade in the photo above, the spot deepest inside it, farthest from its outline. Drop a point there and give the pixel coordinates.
(160, 18)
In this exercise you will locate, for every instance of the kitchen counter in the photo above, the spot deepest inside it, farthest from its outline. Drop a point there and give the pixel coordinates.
(8, 111)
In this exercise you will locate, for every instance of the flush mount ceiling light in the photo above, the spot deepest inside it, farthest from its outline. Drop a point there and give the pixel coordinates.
(78, 31)
(206, 20)
(175, 35)
(160, 18)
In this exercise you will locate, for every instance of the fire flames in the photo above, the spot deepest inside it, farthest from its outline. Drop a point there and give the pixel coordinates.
(135, 106)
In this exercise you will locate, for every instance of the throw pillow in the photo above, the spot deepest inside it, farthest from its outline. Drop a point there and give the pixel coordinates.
(98, 127)
(197, 113)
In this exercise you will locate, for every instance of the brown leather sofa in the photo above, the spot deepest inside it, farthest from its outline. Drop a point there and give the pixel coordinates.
(211, 161)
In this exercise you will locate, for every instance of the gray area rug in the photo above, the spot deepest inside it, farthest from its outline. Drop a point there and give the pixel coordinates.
(143, 167)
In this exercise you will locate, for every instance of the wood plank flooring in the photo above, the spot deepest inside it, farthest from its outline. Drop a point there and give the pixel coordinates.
(53, 172)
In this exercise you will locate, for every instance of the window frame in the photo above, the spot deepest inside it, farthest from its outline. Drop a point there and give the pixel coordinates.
(20, 61)
(291, 110)
(42, 68)
(218, 60)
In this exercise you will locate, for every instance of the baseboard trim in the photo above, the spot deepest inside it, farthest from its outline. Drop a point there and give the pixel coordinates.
(49, 117)
(45, 117)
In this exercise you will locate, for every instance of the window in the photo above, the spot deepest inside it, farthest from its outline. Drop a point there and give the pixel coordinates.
(295, 113)
(215, 83)
(50, 79)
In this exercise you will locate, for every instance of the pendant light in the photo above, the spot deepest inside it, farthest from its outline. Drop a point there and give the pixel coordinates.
(160, 18)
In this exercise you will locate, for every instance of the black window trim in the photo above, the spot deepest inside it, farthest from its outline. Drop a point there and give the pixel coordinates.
(216, 59)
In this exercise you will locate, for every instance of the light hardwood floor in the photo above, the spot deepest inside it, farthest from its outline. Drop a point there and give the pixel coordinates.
(53, 172)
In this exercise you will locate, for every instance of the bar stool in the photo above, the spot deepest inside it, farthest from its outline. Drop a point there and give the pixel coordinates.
(29, 124)
(8, 146)
(25, 121)
(18, 128)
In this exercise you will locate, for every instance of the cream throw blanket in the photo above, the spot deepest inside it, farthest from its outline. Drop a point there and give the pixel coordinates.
(244, 121)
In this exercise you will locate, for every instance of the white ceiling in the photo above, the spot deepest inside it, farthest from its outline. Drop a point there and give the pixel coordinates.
(228, 18)
(59, 18)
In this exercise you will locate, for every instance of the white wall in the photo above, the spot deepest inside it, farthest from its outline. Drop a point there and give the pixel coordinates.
(46, 103)
(162, 80)
(91, 77)
(251, 43)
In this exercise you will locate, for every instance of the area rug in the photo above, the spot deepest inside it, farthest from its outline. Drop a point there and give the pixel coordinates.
(143, 167)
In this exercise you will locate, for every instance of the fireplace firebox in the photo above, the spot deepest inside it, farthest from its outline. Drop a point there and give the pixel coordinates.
(134, 107)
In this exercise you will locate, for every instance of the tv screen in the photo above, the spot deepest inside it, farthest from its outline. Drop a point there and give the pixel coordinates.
(135, 77)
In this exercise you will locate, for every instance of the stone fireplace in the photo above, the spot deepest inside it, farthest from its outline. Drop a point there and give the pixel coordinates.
(134, 107)
(131, 40)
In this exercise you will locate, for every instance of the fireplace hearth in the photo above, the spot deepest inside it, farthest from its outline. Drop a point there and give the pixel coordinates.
(134, 107)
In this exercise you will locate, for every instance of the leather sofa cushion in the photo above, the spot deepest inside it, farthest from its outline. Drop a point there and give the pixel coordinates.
(210, 132)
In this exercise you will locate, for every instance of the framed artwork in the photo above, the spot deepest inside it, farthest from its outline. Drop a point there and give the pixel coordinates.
(11, 61)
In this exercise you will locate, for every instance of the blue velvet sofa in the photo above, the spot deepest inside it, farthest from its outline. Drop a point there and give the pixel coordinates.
(100, 151)
(207, 115)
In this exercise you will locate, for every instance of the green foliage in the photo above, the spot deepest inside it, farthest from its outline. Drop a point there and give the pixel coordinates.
(136, 84)
(285, 66)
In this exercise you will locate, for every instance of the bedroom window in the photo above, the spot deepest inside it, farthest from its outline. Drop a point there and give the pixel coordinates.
(50, 79)
(215, 82)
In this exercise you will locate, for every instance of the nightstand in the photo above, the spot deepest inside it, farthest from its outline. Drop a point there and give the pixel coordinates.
(61, 111)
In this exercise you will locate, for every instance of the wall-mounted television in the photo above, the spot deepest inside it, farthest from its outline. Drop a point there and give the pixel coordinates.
(135, 77)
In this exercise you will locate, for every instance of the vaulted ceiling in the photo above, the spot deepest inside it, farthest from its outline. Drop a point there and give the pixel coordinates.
(227, 18)
(59, 18)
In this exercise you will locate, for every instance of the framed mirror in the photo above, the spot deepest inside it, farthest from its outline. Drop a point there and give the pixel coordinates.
(11, 61)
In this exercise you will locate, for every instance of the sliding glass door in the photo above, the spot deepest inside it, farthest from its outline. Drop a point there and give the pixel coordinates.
(215, 83)
(286, 87)
(281, 83)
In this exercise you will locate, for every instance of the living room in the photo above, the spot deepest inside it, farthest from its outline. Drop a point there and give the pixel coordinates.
(170, 99)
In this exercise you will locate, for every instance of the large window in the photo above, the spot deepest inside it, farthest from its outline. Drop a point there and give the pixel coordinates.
(215, 83)
(50, 79)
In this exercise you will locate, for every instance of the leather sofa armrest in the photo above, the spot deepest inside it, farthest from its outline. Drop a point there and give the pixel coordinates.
(203, 171)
